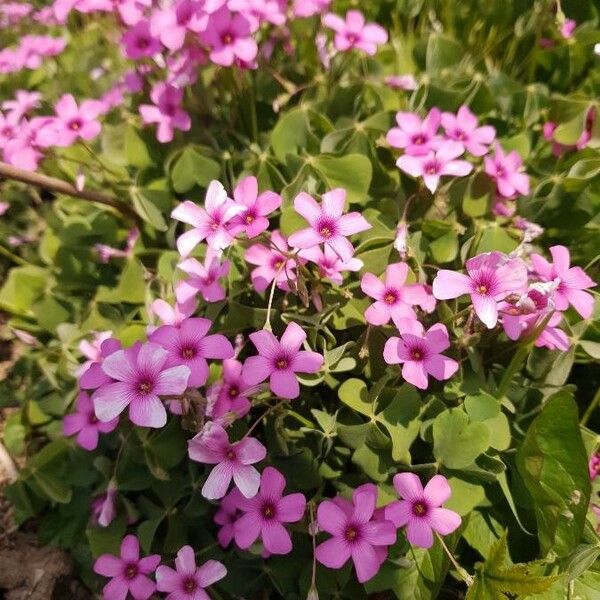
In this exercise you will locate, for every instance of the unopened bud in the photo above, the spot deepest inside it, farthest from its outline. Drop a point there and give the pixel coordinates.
(312, 593)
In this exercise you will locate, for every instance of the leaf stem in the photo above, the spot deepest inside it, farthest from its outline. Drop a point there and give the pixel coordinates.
(590, 409)
(468, 579)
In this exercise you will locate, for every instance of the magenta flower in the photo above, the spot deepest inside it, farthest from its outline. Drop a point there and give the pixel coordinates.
(420, 353)
(187, 581)
(141, 377)
(464, 129)
(491, 277)
(279, 361)
(420, 509)
(103, 506)
(73, 122)
(568, 28)
(138, 42)
(92, 350)
(189, 345)
(265, 514)
(230, 38)
(166, 111)
(417, 136)
(393, 298)
(84, 423)
(355, 33)
(211, 223)
(173, 315)
(432, 166)
(308, 8)
(329, 264)
(93, 376)
(204, 278)
(255, 208)
(232, 394)
(504, 170)
(128, 572)
(594, 466)
(356, 534)
(257, 12)
(327, 223)
(571, 281)
(227, 515)
(232, 461)
(272, 263)
(172, 24)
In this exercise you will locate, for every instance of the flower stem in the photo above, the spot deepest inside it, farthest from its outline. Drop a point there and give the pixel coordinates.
(268, 411)
(468, 579)
(591, 408)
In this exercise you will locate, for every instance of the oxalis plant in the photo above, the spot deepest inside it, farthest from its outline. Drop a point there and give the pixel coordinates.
(299, 297)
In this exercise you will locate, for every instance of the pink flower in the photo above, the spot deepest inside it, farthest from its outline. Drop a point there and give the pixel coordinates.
(259, 11)
(232, 461)
(327, 223)
(4, 206)
(571, 281)
(463, 128)
(233, 393)
(188, 581)
(329, 264)
(173, 315)
(140, 378)
(23, 103)
(166, 111)
(432, 166)
(189, 345)
(401, 240)
(211, 223)
(230, 37)
(272, 263)
(74, 122)
(254, 208)
(355, 33)
(308, 8)
(227, 515)
(416, 136)
(84, 423)
(172, 24)
(393, 299)
(279, 361)
(401, 82)
(568, 28)
(204, 278)
(103, 507)
(128, 572)
(420, 353)
(92, 350)
(594, 466)
(491, 277)
(355, 533)
(420, 509)
(504, 170)
(93, 376)
(138, 42)
(265, 514)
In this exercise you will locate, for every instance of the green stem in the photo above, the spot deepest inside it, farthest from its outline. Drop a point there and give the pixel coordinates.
(13, 257)
(468, 579)
(591, 408)
(299, 418)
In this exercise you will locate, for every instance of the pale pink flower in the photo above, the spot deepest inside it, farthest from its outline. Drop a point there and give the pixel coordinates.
(264, 515)
(258, 12)
(227, 515)
(229, 37)
(211, 223)
(128, 572)
(232, 460)
(23, 103)
(393, 297)
(232, 394)
(273, 263)
(464, 129)
(308, 8)
(4, 206)
(401, 240)
(172, 24)
(420, 353)
(329, 263)
(93, 376)
(328, 224)
(279, 361)
(572, 281)
(504, 169)
(415, 135)
(401, 82)
(568, 28)
(254, 207)
(354, 32)
(189, 345)
(204, 278)
(140, 378)
(491, 277)
(432, 166)
(73, 122)
(84, 423)
(92, 350)
(187, 581)
(173, 315)
(104, 506)
(420, 509)
(355, 533)
(166, 111)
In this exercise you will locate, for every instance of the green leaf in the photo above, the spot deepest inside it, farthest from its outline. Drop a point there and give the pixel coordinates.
(353, 393)
(290, 133)
(553, 464)
(445, 248)
(442, 52)
(353, 172)
(480, 191)
(193, 168)
(145, 205)
(52, 486)
(496, 238)
(569, 132)
(107, 540)
(456, 442)
(581, 172)
(131, 287)
(23, 287)
(136, 149)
